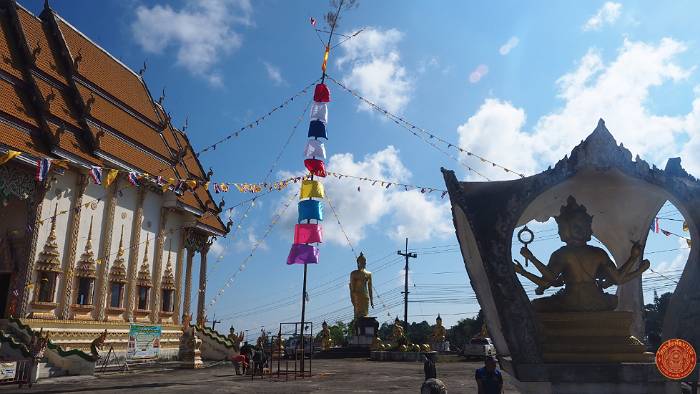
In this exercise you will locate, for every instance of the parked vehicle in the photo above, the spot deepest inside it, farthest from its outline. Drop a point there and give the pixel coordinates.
(479, 347)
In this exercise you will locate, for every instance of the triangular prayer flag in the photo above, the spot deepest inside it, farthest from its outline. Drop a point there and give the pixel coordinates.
(322, 94)
(310, 209)
(9, 155)
(317, 129)
(319, 111)
(311, 189)
(42, 169)
(315, 149)
(308, 233)
(303, 254)
(315, 167)
(111, 175)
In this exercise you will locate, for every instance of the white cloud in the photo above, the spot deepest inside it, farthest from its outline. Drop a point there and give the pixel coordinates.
(375, 69)
(218, 249)
(400, 213)
(274, 74)
(617, 92)
(202, 32)
(247, 241)
(479, 72)
(607, 14)
(509, 45)
(678, 261)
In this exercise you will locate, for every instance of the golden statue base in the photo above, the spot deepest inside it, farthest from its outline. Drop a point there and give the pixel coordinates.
(590, 337)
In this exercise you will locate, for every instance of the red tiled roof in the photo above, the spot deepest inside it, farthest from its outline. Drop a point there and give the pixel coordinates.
(21, 141)
(127, 125)
(125, 152)
(69, 142)
(38, 44)
(104, 71)
(57, 100)
(9, 61)
(15, 103)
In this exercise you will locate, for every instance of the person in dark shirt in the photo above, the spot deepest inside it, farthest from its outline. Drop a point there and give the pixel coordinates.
(489, 378)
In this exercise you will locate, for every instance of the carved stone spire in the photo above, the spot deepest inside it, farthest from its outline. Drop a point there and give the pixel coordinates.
(118, 271)
(86, 265)
(49, 260)
(144, 275)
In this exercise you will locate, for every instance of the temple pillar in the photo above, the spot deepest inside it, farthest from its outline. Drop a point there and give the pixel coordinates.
(134, 256)
(104, 252)
(35, 202)
(186, 304)
(178, 278)
(157, 263)
(73, 235)
(201, 295)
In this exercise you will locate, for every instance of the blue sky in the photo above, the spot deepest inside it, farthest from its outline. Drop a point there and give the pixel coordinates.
(520, 85)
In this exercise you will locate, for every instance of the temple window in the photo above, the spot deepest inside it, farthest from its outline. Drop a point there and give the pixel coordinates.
(47, 286)
(116, 298)
(85, 291)
(143, 297)
(167, 300)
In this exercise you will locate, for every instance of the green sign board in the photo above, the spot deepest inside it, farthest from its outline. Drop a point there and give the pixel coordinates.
(144, 342)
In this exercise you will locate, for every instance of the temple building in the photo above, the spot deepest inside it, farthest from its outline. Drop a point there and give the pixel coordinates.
(79, 255)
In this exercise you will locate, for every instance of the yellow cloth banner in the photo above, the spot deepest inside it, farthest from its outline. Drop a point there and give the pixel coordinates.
(312, 189)
(111, 176)
(325, 59)
(167, 184)
(11, 154)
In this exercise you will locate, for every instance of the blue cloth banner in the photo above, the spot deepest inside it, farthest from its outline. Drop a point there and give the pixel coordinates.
(317, 129)
(310, 209)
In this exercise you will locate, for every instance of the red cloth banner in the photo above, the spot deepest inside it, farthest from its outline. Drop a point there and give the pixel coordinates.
(315, 167)
(322, 94)
(308, 233)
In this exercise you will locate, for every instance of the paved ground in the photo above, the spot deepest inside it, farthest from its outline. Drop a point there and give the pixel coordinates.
(330, 376)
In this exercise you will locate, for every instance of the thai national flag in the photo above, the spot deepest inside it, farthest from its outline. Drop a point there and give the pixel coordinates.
(656, 223)
(216, 188)
(133, 179)
(42, 169)
(96, 175)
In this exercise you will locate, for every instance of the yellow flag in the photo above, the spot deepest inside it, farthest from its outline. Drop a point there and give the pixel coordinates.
(11, 154)
(191, 183)
(60, 163)
(111, 175)
(685, 226)
(206, 186)
(325, 59)
(167, 184)
(311, 189)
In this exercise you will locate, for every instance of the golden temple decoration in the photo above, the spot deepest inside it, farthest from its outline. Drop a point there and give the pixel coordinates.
(168, 281)
(49, 260)
(117, 273)
(86, 265)
(144, 276)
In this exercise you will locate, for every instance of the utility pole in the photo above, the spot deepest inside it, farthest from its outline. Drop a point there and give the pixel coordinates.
(405, 292)
(213, 323)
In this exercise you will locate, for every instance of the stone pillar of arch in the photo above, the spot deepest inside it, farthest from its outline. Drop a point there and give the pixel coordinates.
(201, 295)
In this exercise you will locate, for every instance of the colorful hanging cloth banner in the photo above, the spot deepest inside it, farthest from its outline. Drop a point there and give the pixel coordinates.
(319, 111)
(315, 149)
(42, 169)
(11, 154)
(310, 209)
(96, 175)
(303, 254)
(111, 176)
(311, 189)
(315, 167)
(322, 94)
(308, 233)
(317, 129)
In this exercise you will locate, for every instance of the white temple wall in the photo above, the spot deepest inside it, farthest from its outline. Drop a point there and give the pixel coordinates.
(94, 210)
(123, 215)
(149, 228)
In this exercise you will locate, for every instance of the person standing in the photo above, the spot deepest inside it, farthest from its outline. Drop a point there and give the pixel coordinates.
(489, 379)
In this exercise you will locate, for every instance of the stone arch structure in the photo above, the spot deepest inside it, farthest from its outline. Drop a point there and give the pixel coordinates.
(623, 195)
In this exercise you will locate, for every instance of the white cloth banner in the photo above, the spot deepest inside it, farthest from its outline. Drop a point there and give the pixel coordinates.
(315, 149)
(319, 111)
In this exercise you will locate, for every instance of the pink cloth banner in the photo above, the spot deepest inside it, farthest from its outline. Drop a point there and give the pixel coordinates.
(308, 233)
(303, 254)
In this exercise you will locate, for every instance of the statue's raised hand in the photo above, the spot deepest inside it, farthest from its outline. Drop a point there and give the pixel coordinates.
(518, 268)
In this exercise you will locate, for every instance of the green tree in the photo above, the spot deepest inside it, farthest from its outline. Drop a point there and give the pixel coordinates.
(654, 317)
(464, 330)
(419, 332)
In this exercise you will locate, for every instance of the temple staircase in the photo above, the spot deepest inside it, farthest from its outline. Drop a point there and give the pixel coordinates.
(14, 345)
(215, 346)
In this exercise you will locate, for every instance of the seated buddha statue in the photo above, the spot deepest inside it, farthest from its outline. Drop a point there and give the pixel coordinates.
(583, 270)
